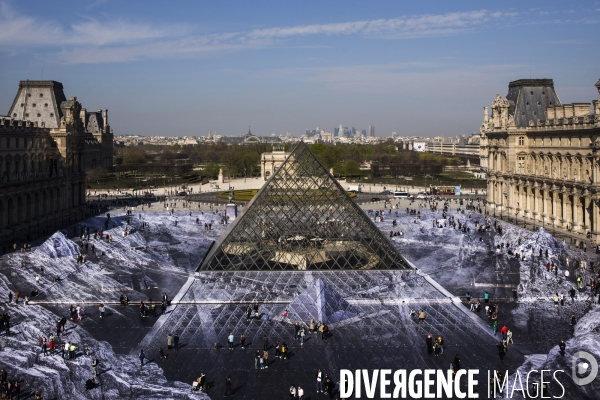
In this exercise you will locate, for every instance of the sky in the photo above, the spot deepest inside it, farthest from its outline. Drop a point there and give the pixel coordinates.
(183, 68)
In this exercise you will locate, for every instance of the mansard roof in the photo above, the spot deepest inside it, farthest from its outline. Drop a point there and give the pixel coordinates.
(531, 97)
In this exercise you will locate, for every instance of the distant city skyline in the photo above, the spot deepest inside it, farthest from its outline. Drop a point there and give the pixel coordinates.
(418, 69)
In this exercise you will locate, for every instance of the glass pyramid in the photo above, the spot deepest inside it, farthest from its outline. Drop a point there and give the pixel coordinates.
(302, 219)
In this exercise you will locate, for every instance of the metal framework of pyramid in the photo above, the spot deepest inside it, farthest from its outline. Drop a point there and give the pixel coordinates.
(321, 302)
(302, 219)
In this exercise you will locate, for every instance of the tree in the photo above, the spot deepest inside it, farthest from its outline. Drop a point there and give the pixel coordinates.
(134, 157)
(351, 168)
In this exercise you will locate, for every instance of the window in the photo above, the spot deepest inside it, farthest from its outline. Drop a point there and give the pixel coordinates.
(521, 141)
(521, 166)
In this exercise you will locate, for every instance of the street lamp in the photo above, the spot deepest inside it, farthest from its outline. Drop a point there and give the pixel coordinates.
(244, 174)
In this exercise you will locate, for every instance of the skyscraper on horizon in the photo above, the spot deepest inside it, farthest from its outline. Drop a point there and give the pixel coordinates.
(371, 131)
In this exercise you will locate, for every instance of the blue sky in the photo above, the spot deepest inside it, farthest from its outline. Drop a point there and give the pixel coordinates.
(189, 67)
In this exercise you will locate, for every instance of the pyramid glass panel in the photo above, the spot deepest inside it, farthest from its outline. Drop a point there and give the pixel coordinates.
(302, 219)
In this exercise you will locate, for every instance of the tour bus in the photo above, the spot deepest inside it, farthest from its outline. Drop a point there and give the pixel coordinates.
(401, 195)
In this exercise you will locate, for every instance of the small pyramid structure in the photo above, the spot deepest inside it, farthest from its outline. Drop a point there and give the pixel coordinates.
(321, 302)
(57, 246)
(302, 219)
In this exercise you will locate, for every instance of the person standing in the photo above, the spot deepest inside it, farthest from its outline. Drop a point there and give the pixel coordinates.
(102, 310)
(248, 312)
(421, 316)
(319, 381)
(176, 342)
(265, 343)
(277, 349)
(486, 297)
(266, 358)
(230, 341)
(429, 343)
(293, 392)
(228, 386)
(302, 335)
(296, 331)
(256, 358)
(509, 336)
(142, 356)
(300, 393)
(495, 327)
(456, 363)
(66, 349)
(562, 346)
(169, 342)
(94, 366)
(243, 341)
(72, 349)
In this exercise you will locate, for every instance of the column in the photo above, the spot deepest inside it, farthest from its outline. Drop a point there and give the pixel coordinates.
(594, 218)
(565, 200)
(574, 209)
(586, 212)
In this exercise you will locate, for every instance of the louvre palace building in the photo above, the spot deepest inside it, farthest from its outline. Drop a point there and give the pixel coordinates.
(46, 144)
(543, 157)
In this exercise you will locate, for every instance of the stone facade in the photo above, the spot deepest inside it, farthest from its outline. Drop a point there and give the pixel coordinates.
(41, 102)
(42, 179)
(543, 157)
(269, 162)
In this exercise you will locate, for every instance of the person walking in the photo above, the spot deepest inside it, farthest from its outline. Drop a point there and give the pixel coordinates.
(296, 331)
(293, 392)
(265, 343)
(230, 341)
(300, 393)
(243, 341)
(266, 358)
(302, 335)
(421, 316)
(169, 342)
(509, 337)
(228, 386)
(256, 359)
(102, 310)
(176, 342)
(495, 327)
(501, 350)
(486, 297)
(248, 312)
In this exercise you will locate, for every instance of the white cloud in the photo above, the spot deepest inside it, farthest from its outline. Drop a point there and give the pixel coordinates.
(97, 41)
